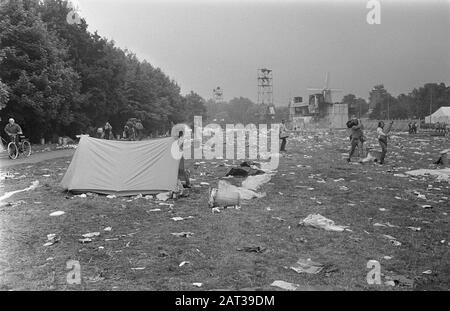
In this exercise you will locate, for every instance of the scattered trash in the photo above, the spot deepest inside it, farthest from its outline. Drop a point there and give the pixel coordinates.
(57, 213)
(86, 240)
(224, 197)
(285, 285)
(111, 196)
(399, 280)
(252, 249)
(427, 272)
(52, 238)
(181, 218)
(392, 240)
(91, 234)
(197, 284)
(414, 228)
(82, 195)
(183, 263)
(254, 182)
(244, 194)
(441, 175)
(138, 268)
(163, 196)
(307, 266)
(243, 172)
(107, 229)
(154, 210)
(318, 221)
(183, 234)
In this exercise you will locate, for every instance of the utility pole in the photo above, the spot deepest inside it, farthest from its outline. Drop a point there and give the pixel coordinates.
(360, 109)
(431, 101)
(389, 101)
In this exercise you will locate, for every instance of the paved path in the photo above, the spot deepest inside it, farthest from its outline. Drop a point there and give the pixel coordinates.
(35, 158)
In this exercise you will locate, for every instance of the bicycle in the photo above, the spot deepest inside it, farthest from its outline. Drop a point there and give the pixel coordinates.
(16, 147)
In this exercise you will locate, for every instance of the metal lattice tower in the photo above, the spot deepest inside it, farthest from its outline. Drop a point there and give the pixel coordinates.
(218, 95)
(265, 87)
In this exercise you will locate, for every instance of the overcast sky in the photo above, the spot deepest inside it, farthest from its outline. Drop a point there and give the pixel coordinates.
(204, 44)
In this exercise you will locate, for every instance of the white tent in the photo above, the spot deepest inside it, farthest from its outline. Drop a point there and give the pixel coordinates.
(442, 115)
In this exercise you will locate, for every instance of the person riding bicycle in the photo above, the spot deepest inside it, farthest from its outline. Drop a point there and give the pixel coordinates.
(13, 130)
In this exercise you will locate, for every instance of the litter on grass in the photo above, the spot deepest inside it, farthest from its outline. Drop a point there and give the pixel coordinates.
(57, 213)
(285, 285)
(321, 222)
(307, 266)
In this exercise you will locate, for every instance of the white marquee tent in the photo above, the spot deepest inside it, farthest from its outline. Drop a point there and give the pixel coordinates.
(442, 115)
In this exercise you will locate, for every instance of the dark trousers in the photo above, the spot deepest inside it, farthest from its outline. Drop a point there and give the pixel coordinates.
(356, 142)
(182, 172)
(283, 144)
(383, 145)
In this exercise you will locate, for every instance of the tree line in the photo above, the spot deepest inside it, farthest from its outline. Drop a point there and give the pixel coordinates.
(417, 104)
(59, 79)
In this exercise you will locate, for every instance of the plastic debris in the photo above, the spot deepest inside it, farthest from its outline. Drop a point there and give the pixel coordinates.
(254, 182)
(319, 221)
(197, 284)
(52, 238)
(111, 196)
(307, 266)
(252, 249)
(180, 218)
(244, 194)
(399, 280)
(285, 285)
(163, 196)
(107, 229)
(57, 213)
(392, 240)
(91, 234)
(441, 175)
(183, 234)
(85, 240)
(184, 263)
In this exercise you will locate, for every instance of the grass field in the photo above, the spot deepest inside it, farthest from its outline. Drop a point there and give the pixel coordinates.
(140, 253)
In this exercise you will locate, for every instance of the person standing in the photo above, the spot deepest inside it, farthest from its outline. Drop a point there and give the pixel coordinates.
(182, 172)
(356, 136)
(382, 139)
(107, 133)
(283, 135)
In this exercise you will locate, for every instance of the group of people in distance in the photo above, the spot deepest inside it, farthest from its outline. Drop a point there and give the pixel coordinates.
(131, 131)
(440, 127)
(412, 128)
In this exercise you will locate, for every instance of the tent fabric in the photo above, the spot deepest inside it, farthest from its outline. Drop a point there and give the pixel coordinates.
(122, 168)
(442, 115)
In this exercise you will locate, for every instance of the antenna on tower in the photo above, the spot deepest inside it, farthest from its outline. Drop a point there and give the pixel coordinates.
(265, 87)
